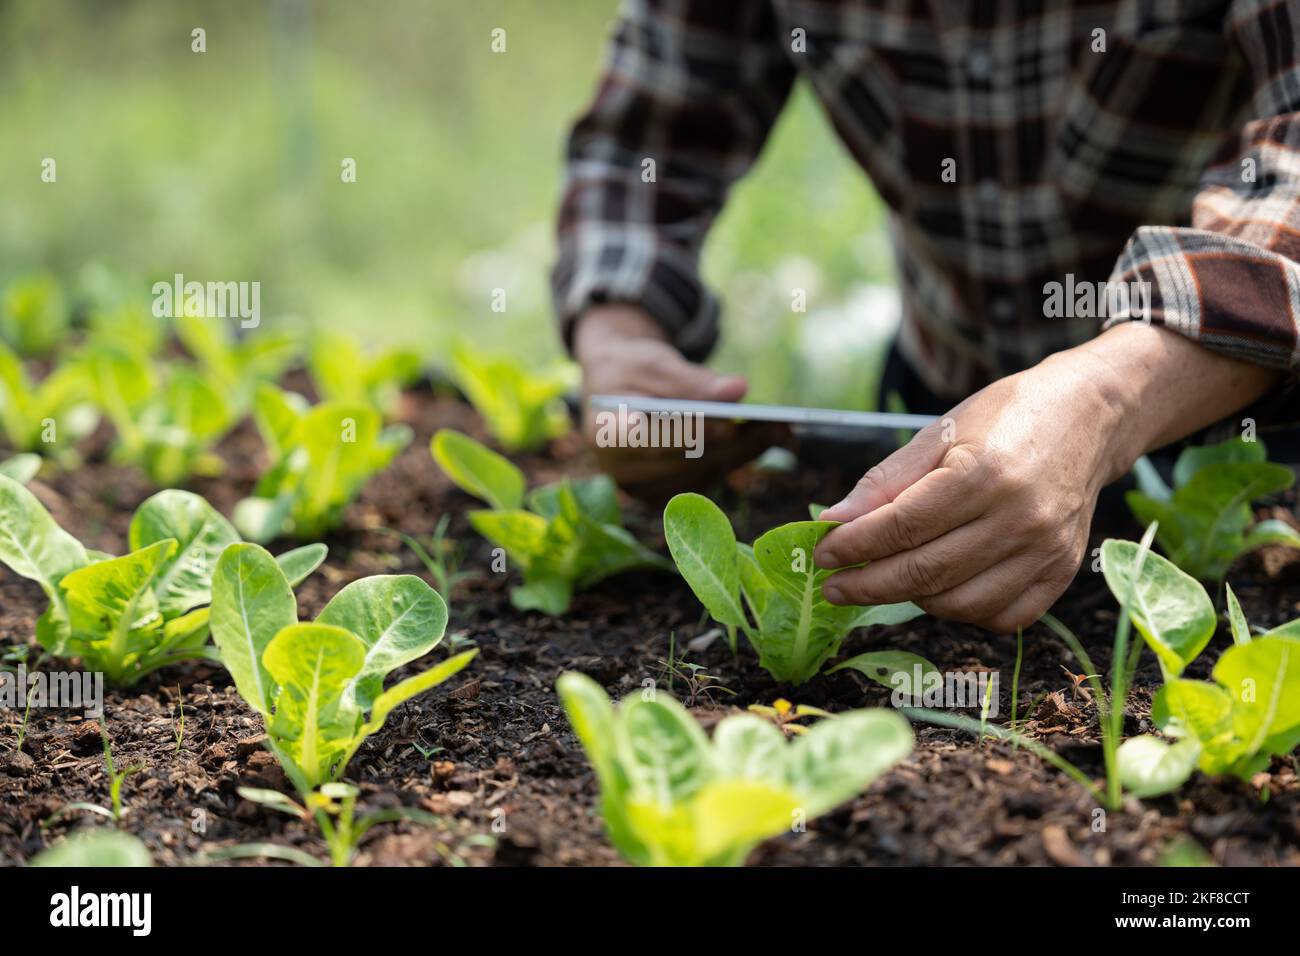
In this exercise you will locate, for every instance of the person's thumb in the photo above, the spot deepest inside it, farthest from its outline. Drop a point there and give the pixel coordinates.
(886, 481)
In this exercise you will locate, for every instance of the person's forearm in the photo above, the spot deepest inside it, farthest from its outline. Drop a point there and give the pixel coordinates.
(1164, 385)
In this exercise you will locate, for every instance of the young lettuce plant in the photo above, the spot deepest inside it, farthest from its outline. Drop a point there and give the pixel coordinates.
(34, 315)
(237, 366)
(566, 536)
(126, 616)
(320, 686)
(166, 426)
(522, 408)
(1233, 724)
(343, 372)
(671, 797)
(322, 457)
(1205, 520)
(772, 592)
(47, 416)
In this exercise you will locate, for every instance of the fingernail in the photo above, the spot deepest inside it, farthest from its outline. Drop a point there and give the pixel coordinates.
(825, 559)
(832, 594)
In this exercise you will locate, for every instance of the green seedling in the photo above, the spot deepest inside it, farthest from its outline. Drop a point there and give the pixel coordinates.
(178, 726)
(1232, 725)
(333, 806)
(701, 686)
(320, 686)
(441, 556)
(1205, 520)
(342, 371)
(115, 811)
(236, 367)
(670, 796)
(771, 592)
(93, 849)
(126, 616)
(322, 455)
(565, 537)
(34, 315)
(48, 417)
(522, 408)
(166, 424)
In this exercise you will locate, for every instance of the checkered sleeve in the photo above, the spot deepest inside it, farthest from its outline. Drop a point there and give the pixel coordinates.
(689, 92)
(1231, 280)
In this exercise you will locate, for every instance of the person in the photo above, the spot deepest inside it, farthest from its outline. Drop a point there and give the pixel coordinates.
(1021, 150)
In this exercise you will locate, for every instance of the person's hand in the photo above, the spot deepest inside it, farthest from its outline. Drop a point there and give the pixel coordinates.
(984, 516)
(623, 351)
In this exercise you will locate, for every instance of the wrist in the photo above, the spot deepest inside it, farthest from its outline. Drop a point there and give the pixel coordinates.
(1111, 393)
(603, 325)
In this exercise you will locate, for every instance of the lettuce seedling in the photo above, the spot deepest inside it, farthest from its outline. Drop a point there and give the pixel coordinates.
(342, 371)
(672, 797)
(1232, 725)
(522, 408)
(46, 417)
(322, 457)
(566, 536)
(34, 315)
(772, 591)
(237, 366)
(1205, 521)
(320, 686)
(166, 424)
(126, 616)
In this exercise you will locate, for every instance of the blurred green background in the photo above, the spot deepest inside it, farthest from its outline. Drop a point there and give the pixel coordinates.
(226, 165)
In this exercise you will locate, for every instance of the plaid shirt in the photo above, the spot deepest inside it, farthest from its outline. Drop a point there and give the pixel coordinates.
(1127, 141)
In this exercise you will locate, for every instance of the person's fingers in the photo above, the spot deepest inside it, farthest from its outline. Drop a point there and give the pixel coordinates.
(931, 569)
(1012, 594)
(668, 375)
(887, 480)
(940, 501)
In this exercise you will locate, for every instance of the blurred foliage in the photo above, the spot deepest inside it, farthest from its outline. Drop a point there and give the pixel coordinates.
(227, 165)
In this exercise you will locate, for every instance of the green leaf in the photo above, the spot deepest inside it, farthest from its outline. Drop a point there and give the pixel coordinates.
(398, 617)
(313, 664)
(95, 848)
(21, 468)
(478, 470)
(898, 670)
(1149, 767)
(703, 545)
(33, 546)
(1168, 607)
(521, 408)
(114, 616)
(1149, 482)
(404, 690)
(299, 563)
(1263, 679)
(251, 603)
(662, 750)
(1195, 457)
(839, 758)
(201, 534)
(1236, 619)
(747, 747)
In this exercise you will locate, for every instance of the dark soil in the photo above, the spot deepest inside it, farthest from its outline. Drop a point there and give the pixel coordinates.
(492, 754)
